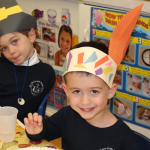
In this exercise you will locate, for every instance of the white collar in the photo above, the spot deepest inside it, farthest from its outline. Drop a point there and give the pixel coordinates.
(33, 60)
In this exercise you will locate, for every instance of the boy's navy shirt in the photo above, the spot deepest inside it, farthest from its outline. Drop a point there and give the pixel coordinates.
(78, 134)
(39, 81)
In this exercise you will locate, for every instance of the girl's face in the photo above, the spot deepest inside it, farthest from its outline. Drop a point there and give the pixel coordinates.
(65, 42)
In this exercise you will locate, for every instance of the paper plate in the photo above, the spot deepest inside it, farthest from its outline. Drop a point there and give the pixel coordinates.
(37, 148)
(30, 148)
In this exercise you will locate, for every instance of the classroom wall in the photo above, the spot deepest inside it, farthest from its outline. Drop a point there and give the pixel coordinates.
(123, 3)
(29, 5)
(84, 33)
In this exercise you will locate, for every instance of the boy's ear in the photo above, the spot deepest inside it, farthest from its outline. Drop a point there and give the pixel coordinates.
(112, 91)
(32, 36)
(65, 89)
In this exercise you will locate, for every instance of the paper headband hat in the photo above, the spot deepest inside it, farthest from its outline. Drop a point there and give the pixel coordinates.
(96, 62)
(12, 18)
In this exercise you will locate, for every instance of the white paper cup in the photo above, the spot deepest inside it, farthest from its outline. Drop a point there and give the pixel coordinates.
(8, 118)
(51, 15)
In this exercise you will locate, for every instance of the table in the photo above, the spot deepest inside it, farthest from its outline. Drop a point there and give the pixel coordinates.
(22, 141)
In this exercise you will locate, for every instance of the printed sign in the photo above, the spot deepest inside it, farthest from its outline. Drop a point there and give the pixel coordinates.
(132, 99)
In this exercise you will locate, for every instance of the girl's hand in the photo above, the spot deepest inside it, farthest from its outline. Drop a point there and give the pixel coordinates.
(33, 123)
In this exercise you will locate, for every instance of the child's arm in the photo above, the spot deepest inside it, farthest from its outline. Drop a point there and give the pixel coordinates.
(33, 124)
(49, 128)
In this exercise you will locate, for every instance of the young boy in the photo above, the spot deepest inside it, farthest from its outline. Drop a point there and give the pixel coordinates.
(87, 124)
(24, 79)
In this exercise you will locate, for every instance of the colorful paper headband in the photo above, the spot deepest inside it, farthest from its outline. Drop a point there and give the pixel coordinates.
(96, 62)
(13, 19)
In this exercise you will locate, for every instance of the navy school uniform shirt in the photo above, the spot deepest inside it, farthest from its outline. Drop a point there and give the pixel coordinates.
(78, 134)
(39, 81)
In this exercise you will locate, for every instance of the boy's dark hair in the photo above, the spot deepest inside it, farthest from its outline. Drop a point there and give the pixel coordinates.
(25, 32)
(66, 29)
(98, 45)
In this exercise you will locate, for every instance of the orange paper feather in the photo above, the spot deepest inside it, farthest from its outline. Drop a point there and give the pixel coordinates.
(120, 37)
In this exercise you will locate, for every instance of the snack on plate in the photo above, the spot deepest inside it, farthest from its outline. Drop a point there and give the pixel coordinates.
(39, 148)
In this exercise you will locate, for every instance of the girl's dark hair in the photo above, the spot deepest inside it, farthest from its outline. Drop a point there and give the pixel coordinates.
(66, 29)
(98, 45)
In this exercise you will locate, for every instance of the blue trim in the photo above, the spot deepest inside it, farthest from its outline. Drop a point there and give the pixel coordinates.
(20, 96)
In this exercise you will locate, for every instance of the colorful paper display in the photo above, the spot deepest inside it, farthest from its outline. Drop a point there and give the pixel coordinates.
(92, 60)
(132, 99)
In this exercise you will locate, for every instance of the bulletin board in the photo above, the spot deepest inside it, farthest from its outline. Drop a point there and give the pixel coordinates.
(57, 97)
(52, 44)
(48, 43)
(132, 99)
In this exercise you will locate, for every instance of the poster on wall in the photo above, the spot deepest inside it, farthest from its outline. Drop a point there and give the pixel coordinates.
(53, 41)
(132, 99)
(46, 40)
(57, 97)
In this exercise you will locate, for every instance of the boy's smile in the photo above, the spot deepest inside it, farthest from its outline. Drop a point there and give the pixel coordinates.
(16, 47)
(88, 95)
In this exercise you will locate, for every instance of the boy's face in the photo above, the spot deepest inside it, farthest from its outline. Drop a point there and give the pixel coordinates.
(88, 95)
(17, 47)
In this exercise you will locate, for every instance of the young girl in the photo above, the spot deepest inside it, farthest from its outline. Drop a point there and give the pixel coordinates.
(64, 42)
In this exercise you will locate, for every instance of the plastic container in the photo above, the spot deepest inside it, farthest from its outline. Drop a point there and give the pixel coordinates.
(8, 118)
(65, 16)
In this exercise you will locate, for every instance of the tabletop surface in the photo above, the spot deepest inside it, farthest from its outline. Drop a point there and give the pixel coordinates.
(22, 141)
